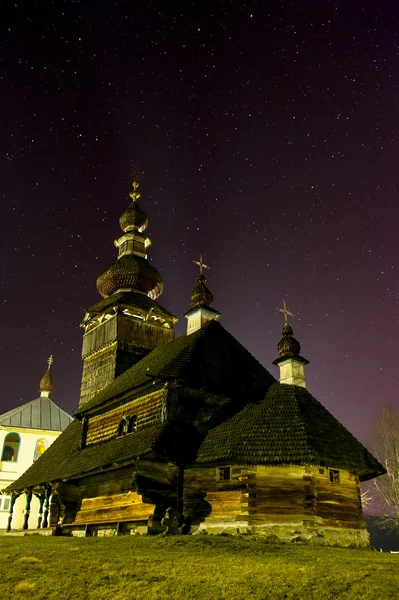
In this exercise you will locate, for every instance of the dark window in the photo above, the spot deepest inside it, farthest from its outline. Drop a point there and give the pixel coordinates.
(321, 471)
(122, 429)
(83, 437)
(8, 453)
(132, 427)
(11, 447)
(224, 473)
(334, 476)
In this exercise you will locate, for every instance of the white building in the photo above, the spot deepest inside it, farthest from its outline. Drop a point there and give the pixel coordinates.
(25, 433)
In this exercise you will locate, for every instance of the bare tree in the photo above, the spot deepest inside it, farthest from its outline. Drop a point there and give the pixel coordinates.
(385, 489)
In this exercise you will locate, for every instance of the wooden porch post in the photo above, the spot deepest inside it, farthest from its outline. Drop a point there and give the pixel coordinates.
(27, 509)
(47, 494)
(41, 498)
(11, 510)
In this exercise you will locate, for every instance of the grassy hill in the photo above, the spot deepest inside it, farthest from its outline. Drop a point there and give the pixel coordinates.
(206, 568)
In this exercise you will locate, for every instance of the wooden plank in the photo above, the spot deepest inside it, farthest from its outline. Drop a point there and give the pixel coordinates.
(121, 507)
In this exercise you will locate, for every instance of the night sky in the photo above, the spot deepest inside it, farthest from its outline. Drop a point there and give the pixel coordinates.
(268, 136)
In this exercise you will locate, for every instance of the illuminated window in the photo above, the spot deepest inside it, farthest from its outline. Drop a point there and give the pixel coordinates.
(224, 473)
(11, 447)
(334, 476)
(40, 448)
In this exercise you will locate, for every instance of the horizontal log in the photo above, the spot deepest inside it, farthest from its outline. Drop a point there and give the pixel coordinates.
(114, 508)
(110, 501)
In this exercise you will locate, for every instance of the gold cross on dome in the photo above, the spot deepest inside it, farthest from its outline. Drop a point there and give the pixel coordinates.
(136, 172)
(286, 312)
(201, 264)
(50, 360)
(135, 195)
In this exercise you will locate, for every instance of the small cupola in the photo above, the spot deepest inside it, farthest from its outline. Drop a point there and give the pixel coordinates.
(46, 382)
(290, 362)
(201, 299)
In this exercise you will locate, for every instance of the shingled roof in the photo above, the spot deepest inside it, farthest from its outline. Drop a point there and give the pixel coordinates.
(288, 427)
(41, 413)
(210, 359)
(64, 460)
(215, 370)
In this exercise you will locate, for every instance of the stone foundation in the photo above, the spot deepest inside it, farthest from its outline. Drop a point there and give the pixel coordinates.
(289, 533)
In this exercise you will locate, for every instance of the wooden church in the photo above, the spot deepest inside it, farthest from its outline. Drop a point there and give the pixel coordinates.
(193, 435)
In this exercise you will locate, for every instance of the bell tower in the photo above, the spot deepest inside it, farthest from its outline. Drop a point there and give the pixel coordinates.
(128, 323)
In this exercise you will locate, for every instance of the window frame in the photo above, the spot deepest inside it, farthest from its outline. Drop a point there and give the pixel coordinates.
(18, 450)
(222, 472)
(132, 424)
(334, 476)
(5, 500)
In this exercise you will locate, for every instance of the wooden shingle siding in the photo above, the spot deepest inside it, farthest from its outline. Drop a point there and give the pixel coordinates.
(100, 337)
(147, 409)
(98, 371)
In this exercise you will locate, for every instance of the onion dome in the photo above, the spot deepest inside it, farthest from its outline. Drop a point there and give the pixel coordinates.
(200, 294)
(46, 382)
(134, 219)
(130, 272)
(288, 346)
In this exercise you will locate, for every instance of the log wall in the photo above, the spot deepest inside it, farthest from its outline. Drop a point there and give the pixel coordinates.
(131, 493)
(277, 494)
(205, 497)
(339, 504)
(277, 500)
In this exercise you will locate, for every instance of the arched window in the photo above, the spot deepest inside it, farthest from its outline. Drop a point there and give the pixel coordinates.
(132, 427)
(122, 428)
(40, 448)
(11, 447)
(127, 425)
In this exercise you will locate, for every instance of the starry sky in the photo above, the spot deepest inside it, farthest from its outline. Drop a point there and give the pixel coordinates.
(268, 136)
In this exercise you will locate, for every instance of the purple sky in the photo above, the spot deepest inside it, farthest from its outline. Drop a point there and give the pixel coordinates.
(268, 134)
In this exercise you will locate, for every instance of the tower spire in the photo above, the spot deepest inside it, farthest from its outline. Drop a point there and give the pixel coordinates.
(46, 382)
(128, 323)
(290, 362)
(201, 300)
(131, 271)
(136, 172)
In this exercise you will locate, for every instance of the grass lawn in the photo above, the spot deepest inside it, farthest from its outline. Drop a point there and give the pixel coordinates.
(207, 568)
